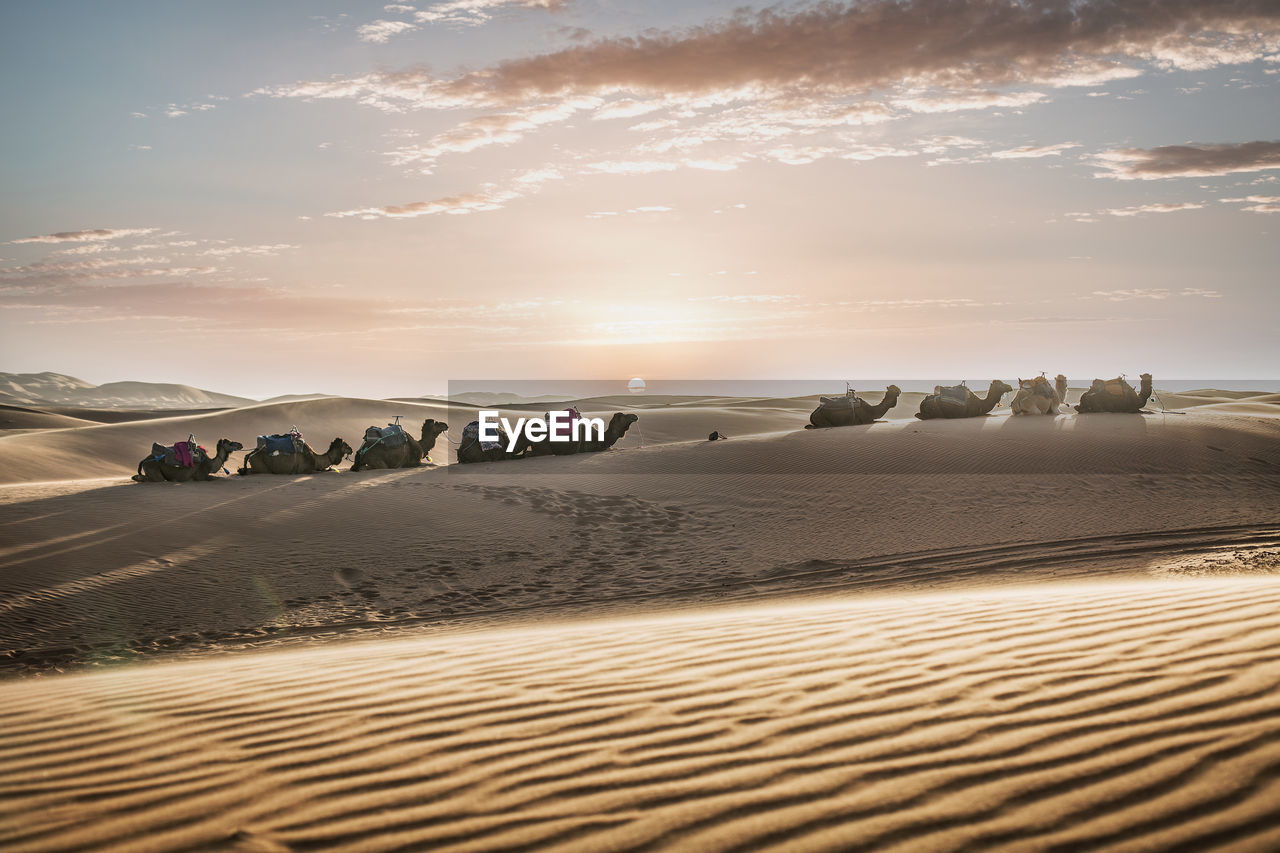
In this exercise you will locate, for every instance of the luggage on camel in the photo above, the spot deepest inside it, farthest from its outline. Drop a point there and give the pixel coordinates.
(182, 454)
(848, 400)
(952, 396)
(285, 444)
(471, 434)
(391, 435)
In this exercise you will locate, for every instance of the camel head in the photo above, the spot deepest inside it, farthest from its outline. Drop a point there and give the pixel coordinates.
(340, 448)
(226, 446)
(1146, 377)
(1001, 387)
(620, 423)
(432, 428)
(893, 390)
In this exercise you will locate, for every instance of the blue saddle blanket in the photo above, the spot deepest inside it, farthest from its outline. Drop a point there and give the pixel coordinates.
(283, 445)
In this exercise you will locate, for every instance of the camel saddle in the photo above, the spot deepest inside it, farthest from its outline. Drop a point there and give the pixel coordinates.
(1117, 387)
(952, 396)
(845, 401)
(391, 435)
(182, 454)
(471, 434)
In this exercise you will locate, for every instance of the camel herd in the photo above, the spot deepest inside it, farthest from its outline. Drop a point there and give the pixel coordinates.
(1036, 396)
(394, 447)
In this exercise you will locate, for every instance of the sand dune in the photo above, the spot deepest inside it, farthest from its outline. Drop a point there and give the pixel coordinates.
(999, 633)
(113, 448)
(1056, 718)
(108, 570)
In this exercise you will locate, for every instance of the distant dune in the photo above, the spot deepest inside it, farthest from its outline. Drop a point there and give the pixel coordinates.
(57, 389)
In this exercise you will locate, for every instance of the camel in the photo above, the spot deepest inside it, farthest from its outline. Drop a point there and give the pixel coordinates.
(375, 453)
(850, 410)
(153, 470)
(307, 462)
(613, 432)
(1038, 397)
(941, 405)
(1115, 395)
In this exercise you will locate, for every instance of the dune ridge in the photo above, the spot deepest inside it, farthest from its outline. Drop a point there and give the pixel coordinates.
(1064, 717)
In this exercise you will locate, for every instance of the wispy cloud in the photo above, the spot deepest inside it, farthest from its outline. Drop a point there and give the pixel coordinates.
(457, 12)
(274, 249)
(1156, 293)
(1181, 161)
(85, 236)
(1257, 203)
(1154, 207)
(380, 32)
(1034, 151)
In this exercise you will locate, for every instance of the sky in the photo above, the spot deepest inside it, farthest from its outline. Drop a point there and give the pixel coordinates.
(377, 199)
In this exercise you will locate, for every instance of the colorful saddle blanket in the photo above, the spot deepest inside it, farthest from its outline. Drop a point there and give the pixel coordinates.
(471, 433)
(182, 454)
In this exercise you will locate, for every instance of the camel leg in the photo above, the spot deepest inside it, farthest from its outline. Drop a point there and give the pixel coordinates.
(150, 474)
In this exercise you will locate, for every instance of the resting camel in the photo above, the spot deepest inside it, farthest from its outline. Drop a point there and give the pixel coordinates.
(307, 462)
(1115, 395)
(937, 404)
(153, 470)
(1038, 397)
(850, 410)
(408, 455)
(613, 432)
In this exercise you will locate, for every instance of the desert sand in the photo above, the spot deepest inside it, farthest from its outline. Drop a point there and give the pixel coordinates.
(998, 633)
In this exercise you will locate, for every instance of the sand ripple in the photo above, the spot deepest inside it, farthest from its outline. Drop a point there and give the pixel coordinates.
(1126, 716)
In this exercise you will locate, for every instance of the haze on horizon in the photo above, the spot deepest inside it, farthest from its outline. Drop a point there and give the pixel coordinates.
(374, 199)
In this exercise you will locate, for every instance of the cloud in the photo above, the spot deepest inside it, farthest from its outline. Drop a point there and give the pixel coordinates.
(473, 12)
(1131, 294)
(501, 129)
(1156, 293)
(783, 83)
(458, 12)
(865, 46)
(456, 204)
(88, 249)
(379, 32)
(1257, 203)
(1180, 161)
(249, 250)
(85, 236)
(1032, 151)
(1155, 207)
